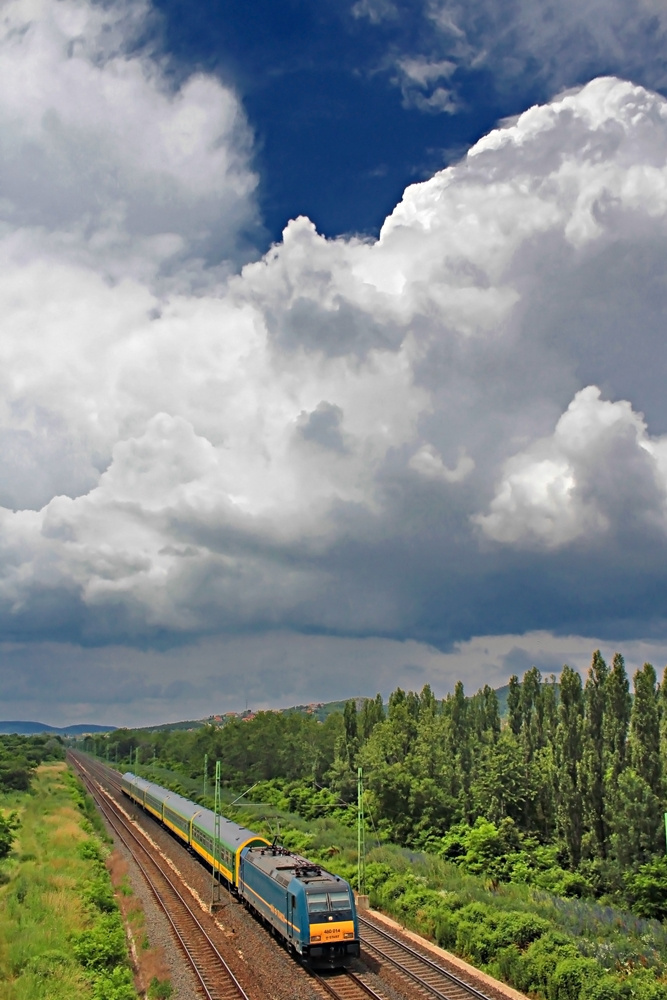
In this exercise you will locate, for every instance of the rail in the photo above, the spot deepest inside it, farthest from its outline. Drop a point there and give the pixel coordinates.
(415, 966)
(200, 950)
(346, 986)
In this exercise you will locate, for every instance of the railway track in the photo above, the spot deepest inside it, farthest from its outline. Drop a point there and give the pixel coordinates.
(425, 977)
(215, 977)
(431, 978)
(346, 986)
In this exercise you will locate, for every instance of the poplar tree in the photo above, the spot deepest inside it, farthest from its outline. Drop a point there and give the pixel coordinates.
(637, 817)
(568, 750)
(662, 705)
(644, 739)
(531, 688)
(593, 762)
(372, 712)
(616, 720)
(514, 705)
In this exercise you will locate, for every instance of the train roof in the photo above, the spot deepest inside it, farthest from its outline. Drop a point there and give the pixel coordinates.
(282, 865)
(172, 800)
(230, 832)
(134, 779)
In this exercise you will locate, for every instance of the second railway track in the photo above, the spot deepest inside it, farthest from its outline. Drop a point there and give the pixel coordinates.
(215, 977)
(431, 978)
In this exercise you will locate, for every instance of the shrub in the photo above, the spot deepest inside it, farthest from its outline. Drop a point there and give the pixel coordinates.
(101, 946)
(8, 827)
(647, 890)
(100, 894)
(541, 959)
(89, 850)
(608, 988)
(519, 928)
(114, 985)
(159, 989)
(446, 927)
(509, 966)
(572, 979)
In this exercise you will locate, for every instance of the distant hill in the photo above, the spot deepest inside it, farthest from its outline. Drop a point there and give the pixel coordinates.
(30, 728)
(320, 711)
(167, 727)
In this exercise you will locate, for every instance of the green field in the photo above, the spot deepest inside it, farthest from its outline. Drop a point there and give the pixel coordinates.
(61, 935)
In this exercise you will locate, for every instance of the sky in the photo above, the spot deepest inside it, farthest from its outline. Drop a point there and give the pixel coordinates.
(332, 349)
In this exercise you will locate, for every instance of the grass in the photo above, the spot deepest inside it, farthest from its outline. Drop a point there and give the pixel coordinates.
(46, 912)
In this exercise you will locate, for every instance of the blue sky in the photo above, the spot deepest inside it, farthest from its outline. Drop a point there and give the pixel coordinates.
(333, 139)
(340, 130)
(332, 351)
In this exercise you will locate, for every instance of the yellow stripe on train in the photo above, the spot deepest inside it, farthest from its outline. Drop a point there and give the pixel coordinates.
(209, 857)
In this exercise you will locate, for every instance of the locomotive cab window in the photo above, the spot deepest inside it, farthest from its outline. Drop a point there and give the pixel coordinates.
(318, 907)
(329, 906)
(340, 905)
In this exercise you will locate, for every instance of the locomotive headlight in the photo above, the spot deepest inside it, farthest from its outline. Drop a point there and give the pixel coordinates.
(315, 937)
(346, 934)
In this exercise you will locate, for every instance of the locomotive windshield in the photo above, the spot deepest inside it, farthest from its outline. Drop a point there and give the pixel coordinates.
(329, 906)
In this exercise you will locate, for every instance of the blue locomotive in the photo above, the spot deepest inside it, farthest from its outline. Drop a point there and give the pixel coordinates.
(311, 909)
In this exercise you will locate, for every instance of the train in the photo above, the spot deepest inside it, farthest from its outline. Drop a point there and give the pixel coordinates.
(309, 908)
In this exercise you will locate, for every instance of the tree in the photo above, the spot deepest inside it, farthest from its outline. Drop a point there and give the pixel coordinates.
(350, 719)
(8, 827)
(372, 712)
(568, 751)
(644, 738)
(616, 718)
(593, 762)
(637, 809)
(514, 705)
(636, 821)
(500, 787)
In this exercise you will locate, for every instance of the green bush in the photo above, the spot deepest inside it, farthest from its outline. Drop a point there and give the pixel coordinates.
(8, 828)
(608, 988)
(572, 979)
(159, 989)
(101, 946)
(508, 966)
(89, 850)
(647, 889)
(520, 929)
(115, 984)
(98, 893)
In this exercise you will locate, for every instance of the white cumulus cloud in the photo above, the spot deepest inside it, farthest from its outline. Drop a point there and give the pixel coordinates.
(103, 160)
(598, 469)
(301, 443)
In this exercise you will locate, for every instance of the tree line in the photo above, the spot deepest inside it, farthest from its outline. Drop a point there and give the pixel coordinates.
(566, 790)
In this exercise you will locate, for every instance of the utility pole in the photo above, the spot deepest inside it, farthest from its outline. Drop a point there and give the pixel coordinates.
(361, 835)
(205, 772)
(215, 885)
